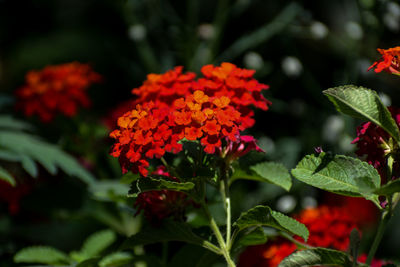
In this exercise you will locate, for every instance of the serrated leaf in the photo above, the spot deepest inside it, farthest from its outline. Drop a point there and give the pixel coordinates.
(7, 177)
(116, 259)
(41, 254)
(97, 242)
(154, 182)
(338, 174)
(317, 256)
(363, 103)
(274, 173)
(265, 216)
(389, 188)
(22, 145)
(167, 231)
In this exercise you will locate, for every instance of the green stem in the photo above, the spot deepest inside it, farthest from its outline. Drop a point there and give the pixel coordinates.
(227, 202)
(378, 237)
(220, 239)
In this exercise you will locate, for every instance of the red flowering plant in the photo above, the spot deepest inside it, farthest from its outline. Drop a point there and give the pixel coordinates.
(56, 89)
(194, 127)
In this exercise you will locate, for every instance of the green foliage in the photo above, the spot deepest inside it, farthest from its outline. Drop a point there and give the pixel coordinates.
(274, 173)
(168, 231)
(389, 188)
(19, 146)
(158, 182)
(316, 256)
(265, 216)
(270, 172)
(94, 245)
(255, 236)
(339, 174)
(41, 254)
(6, 176)
(116, 259)
(363, 103)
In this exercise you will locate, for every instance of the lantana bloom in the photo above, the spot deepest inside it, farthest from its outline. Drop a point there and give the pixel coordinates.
(56, 89)
(374, 143)
(173, 106)
(389, 62)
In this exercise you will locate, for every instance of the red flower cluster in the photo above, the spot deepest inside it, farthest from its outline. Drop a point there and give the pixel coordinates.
(173, 106)
(389, 62)
(320, 222)
(373, 142)
(58, 88)
(161, 204)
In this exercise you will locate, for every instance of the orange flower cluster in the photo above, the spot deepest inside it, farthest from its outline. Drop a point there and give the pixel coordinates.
(58, 88)
(329, 227)
(389, 62)
(173, 106)
(149, 130)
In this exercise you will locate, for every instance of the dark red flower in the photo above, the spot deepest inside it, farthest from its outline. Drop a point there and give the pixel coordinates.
(158, 205)
(374, 143)
(13, 194)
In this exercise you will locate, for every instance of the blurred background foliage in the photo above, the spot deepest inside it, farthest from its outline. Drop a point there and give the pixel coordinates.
(299, 48)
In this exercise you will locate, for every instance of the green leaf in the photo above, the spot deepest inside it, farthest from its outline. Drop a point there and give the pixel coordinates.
(255, 236)
(338, 174)
(8, 122)
(363, 103)
(317, 256)
(7, 177)
(98, 242)
(19, 146)
(89, 262)
(158, 182)
(167, 231)
(116, 259)
(265, 216)
(41, 254)
(389, 188)
(275, 173)
(29, 165)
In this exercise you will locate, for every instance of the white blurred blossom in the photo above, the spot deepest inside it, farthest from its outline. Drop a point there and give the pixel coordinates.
(392, 16)
(308, 202)
(206, 31)
(286, 204)
(266, 144)
(137, 32)
(332, 128)
(354, 30)
(292, 66)
(318, 30)
(386, 100)
(253, 60)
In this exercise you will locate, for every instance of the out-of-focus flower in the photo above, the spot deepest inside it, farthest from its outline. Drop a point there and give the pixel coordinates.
(158, 205)
(354, 30)
(374, 142)
(318, 30)
(292, 66)
(137, 32)
(320, 220)
(253, 60)
(56, 89)
(206, 31)
(266, 255)
(13, 194)
(375, 262)
(389, 62)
